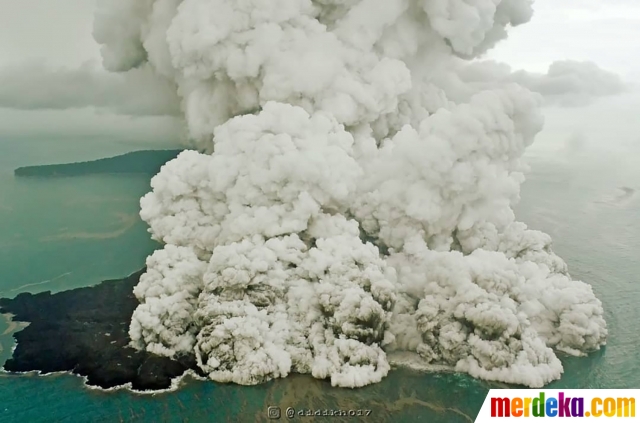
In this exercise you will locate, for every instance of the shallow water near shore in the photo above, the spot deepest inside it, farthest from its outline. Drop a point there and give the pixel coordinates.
(59, 234)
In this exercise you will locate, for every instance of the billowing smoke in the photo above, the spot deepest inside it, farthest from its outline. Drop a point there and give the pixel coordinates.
(349, 200)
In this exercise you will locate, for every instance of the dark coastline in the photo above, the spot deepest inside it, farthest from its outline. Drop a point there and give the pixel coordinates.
(85, 331)
(147, 162)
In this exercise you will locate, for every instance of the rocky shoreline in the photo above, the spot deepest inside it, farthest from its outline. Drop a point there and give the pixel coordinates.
(85, 331)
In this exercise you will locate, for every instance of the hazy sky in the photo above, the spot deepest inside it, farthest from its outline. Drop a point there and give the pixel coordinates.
(604, 31)
(59, 33)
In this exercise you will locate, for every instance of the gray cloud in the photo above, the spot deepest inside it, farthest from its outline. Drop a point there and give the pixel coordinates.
(138, 92)
(572, 83)
(566, 83)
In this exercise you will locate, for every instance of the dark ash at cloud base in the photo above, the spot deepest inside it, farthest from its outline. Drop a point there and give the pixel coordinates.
(84, 331)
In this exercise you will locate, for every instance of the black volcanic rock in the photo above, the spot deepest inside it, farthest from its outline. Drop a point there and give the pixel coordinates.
(85, 331)
(146, 162)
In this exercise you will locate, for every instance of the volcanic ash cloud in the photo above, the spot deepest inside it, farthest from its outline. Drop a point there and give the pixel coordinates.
(347, 199)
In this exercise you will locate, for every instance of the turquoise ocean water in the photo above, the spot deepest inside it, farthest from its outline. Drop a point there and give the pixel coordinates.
(57, 234)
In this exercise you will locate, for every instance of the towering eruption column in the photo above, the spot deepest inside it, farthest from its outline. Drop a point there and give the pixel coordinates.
(351, 195)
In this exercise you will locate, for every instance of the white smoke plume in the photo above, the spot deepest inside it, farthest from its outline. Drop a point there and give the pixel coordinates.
(349, 200)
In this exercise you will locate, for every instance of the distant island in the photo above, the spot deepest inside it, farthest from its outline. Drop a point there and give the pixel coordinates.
(147, 162)
(85, 331)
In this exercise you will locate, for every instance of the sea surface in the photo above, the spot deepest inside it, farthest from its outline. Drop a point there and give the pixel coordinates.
(58, 234)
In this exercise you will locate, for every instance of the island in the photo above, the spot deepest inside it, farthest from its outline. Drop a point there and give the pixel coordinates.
(146, 162)
(85, 331)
